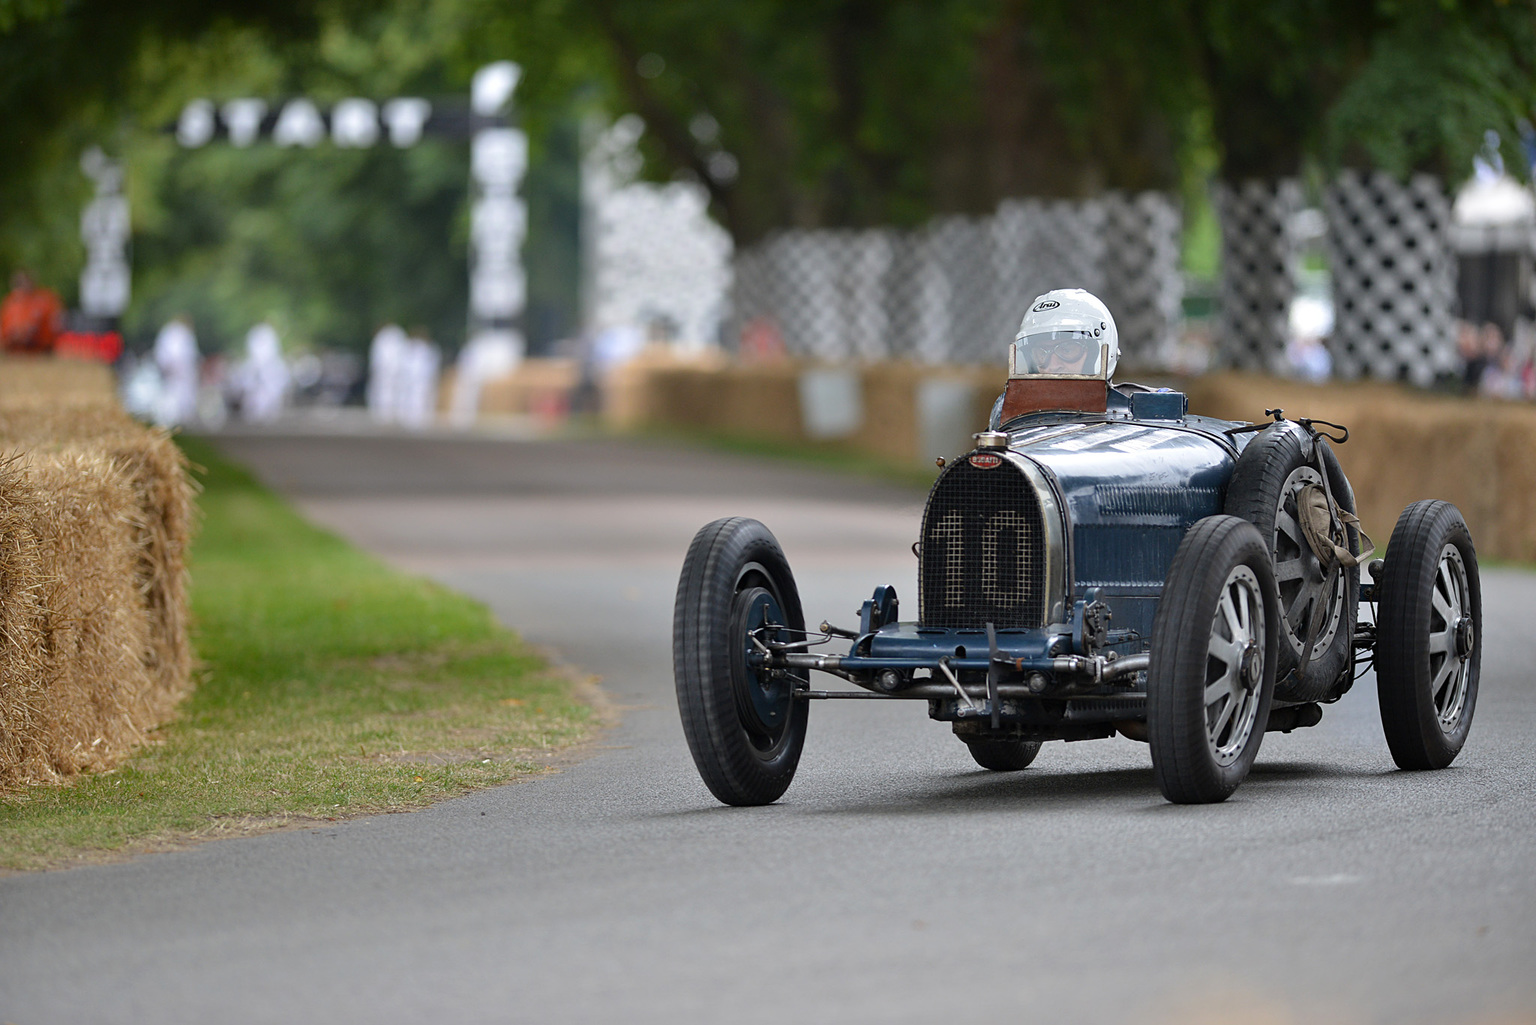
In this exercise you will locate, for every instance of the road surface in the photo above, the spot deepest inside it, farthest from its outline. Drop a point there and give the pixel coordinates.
(895, 882)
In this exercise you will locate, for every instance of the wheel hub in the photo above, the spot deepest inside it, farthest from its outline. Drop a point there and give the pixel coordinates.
(763, 696)
(1252, 665)
(1465, 637)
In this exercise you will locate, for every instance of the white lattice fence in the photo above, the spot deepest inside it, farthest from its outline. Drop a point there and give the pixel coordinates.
(954, 290)
(1258, 270)
(1143, 285)
(651, 252)
(1394, 277)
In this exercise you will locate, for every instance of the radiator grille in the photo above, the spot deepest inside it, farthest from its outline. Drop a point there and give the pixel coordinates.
(982, 551)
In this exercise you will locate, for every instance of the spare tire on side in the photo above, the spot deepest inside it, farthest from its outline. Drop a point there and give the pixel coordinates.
(1270, 474)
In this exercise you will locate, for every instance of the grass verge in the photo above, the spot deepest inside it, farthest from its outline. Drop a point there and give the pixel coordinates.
(329, 686)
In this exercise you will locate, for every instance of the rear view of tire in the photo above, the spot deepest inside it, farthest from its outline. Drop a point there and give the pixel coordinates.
(1212, 675)
(1003, 755)
(1428, 636)
(744, 727)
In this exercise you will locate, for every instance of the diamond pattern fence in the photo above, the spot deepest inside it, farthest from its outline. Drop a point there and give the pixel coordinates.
(1258, 270)
(1394, 277)
(954, 290)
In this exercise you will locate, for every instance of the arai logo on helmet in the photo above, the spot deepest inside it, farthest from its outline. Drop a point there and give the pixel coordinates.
(986, 461)
(1048, 304)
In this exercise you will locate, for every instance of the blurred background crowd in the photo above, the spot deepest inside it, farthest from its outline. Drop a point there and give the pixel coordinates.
(255, 207)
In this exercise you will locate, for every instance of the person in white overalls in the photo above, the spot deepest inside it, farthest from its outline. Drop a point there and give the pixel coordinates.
(386, 358)
(176, 358)
(263, 376)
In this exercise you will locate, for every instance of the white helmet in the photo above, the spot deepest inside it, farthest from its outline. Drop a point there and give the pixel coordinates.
(1066, 333)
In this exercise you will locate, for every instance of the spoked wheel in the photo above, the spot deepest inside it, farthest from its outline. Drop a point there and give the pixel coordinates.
(1003, 755)
(1428, 636)
(744, 726)
(1212, 675)
(1314, 604)
(1311, 599)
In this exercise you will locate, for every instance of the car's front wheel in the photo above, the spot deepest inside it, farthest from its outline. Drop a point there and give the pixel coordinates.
(1212, 672)
(744, 726)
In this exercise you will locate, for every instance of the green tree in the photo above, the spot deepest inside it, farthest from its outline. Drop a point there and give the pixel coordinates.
(66, 69)
(1435, 80)
(860, 112)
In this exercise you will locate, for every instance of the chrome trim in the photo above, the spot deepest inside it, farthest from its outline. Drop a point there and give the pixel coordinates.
(1053, 518)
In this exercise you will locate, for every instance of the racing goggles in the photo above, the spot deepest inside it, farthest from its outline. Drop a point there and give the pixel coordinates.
(1066, 349)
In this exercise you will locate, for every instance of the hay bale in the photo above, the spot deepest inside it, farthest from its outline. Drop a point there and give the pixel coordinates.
(96, 516)
(156, 470)
(31, 379)
(76, 685)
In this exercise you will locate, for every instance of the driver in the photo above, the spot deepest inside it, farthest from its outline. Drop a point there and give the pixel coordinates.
(1066, 333)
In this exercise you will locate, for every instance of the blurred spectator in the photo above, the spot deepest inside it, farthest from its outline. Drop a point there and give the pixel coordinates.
(263, 377)
(1310, 320)
(176, 357)
(212, 410)
(386, 361)
(1523, 351)
(140, 387)
(1470, 347)
(761, 342)
(418, 392)
(1309, 358)
(615, 346)
(340, 374)
(30, 317)
(487, 356)
(1505, 368)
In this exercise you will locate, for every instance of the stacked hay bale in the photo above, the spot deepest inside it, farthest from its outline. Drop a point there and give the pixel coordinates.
(95, 518)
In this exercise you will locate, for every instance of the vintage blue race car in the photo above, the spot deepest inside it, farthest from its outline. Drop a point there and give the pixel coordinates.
(1102, 562)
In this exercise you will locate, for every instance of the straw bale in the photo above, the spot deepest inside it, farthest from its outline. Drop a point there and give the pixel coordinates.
(157, 472)
(76, 686)
(30, 378)
(96, 514)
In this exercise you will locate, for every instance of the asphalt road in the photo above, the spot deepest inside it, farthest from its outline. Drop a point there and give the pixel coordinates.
(895, 882)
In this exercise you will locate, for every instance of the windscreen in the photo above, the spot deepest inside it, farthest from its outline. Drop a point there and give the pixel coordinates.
(1067, 353)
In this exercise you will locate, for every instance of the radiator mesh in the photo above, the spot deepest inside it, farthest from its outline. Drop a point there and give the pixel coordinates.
(982, 551)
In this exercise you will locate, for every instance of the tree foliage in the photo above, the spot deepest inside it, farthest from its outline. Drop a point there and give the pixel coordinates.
(1436, 80)
(862, 112)
(825, 113)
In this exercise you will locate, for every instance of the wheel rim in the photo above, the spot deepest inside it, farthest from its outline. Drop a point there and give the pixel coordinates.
(1299, 574)
(763, 698)
(1234, 665)
(1452, 638)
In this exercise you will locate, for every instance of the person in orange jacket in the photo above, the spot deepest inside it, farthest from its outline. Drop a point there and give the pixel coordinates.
(30, 317)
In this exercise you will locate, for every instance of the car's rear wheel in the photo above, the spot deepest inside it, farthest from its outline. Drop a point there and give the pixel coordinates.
(744, 726)
(1314, 604)
(1429, 628)
(1212, 672)
(1003, 755)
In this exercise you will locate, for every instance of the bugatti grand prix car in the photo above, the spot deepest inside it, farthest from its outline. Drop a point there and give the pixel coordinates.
(1103, 562)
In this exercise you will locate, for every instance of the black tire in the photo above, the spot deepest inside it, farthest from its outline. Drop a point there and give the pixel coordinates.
(745, 729)
(1268, 475)
(1206, 714)
(1428, 636)
(1003, 755)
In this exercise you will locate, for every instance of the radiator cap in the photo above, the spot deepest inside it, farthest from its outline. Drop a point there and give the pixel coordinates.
(991, 439)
